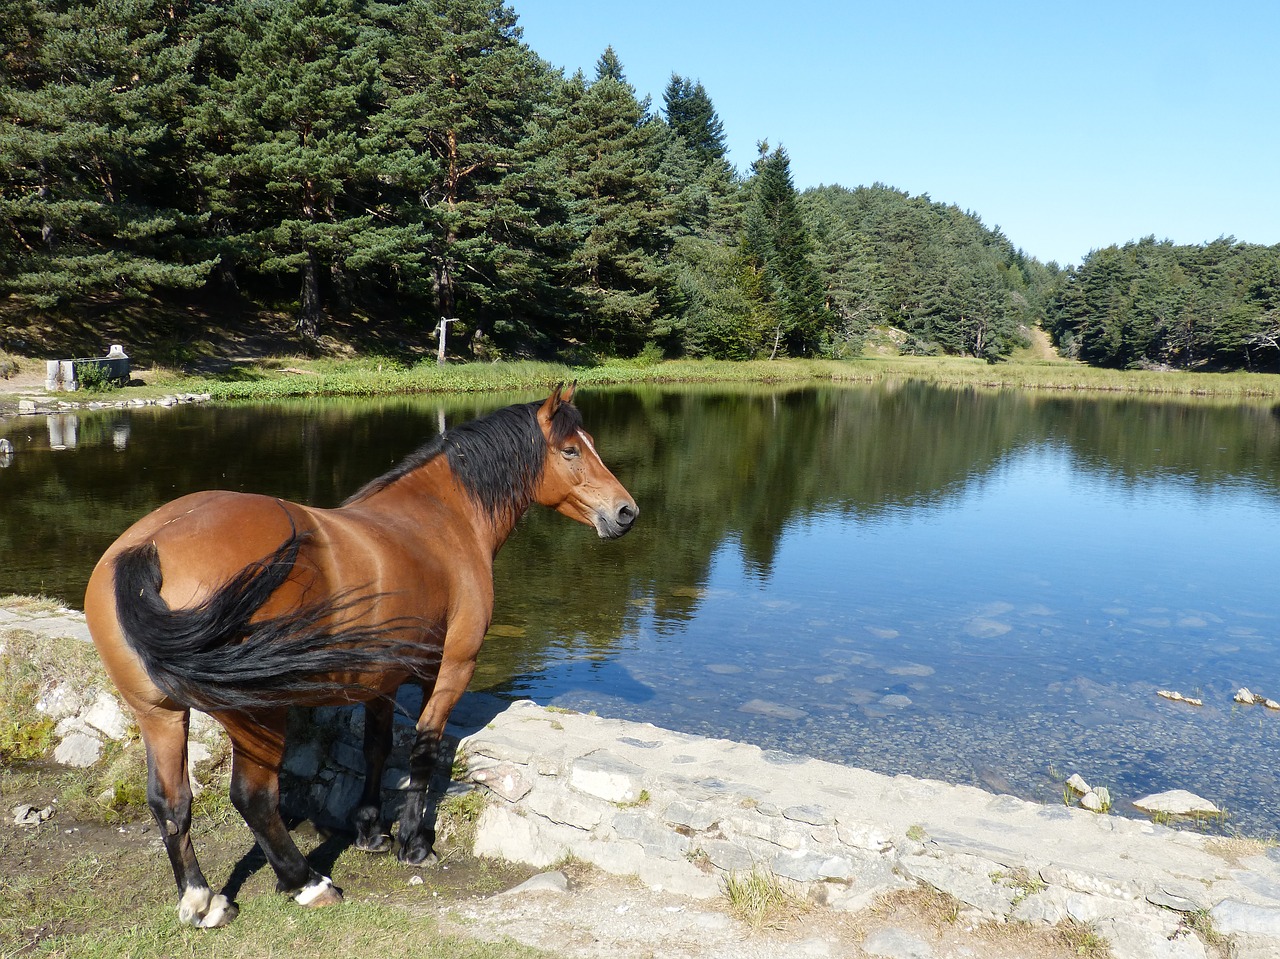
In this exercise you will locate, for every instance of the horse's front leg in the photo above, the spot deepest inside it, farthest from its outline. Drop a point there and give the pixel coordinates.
(417, 824)
(367, 814)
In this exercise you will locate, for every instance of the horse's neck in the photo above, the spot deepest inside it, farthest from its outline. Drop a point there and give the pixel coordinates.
(434, 493)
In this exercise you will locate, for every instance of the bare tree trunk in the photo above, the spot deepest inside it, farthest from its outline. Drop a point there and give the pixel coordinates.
(777, 339)
(312, 308)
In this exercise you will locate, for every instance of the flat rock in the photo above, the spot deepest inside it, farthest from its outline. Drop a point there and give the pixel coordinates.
(78, 750)
(1176, 802)
(1232, 916)
(893, 943)
(1130, 940)
(106, 716)
(554, 882)
(762, 707)
(25, 814)
(606, 777)
(505, 780)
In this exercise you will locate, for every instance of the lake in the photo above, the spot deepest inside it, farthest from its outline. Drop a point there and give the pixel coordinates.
(984, 588)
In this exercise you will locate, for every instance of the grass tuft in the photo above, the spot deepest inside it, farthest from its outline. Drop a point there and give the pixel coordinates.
(1082, 939)
(458, 821)
(30, 604)
(761, 900)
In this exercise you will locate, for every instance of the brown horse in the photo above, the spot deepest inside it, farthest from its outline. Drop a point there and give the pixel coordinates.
(240, 605)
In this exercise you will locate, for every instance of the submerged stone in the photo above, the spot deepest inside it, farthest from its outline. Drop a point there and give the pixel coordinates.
(1176, 802)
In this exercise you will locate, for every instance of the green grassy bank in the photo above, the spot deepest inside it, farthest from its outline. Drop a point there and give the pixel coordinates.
(291, 376)
(374, 376)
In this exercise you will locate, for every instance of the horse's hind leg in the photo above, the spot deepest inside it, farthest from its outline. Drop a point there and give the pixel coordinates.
(367, 815)
(257, 749)
(169, 796)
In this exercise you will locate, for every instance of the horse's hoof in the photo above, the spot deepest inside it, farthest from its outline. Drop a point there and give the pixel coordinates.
(199, 907)
(417, 854)
(320, 893)
(221, 911)
(378, 844)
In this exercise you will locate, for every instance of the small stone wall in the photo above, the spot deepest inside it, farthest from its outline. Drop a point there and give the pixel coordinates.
(682, 813)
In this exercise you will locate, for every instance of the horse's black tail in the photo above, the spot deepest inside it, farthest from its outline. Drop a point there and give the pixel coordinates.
(212, 657)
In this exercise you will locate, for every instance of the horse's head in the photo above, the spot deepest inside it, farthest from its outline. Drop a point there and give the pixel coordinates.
(575, 482)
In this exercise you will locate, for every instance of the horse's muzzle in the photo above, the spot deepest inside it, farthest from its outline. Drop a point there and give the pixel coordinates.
(610, 524)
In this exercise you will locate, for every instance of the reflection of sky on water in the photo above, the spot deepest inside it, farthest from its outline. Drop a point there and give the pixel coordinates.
(1009, 633)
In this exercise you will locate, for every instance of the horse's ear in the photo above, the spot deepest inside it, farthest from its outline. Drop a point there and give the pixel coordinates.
(567, 395)
(550, 405)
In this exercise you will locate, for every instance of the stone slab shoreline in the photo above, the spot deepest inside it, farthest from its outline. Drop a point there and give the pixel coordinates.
(682, 812)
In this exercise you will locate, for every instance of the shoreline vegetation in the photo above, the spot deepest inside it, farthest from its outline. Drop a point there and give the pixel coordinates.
(283, 377)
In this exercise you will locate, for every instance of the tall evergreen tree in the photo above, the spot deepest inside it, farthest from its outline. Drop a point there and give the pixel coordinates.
(618, 209)
(91, 193)
(464, 95)
(777, 248)
(609, 67)
(693, 118)
(287, 136)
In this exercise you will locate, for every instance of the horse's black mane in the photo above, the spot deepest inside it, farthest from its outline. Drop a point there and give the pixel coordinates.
(497, 458)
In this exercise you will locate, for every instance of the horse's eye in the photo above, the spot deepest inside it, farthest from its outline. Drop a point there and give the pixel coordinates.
(570, 452)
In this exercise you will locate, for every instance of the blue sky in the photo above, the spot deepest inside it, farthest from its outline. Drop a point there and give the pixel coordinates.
(1070, 126)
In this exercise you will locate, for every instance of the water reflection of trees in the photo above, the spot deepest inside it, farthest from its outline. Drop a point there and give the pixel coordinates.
(709, 467)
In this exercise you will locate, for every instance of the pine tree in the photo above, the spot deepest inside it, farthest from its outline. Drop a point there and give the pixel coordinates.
(463, 94)
(609, 67)
(693, 118)
(618, 209)
(287, 138)
(777, 248)
(91, 192)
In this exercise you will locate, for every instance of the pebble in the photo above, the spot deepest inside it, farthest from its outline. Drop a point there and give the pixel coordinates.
(25, 814)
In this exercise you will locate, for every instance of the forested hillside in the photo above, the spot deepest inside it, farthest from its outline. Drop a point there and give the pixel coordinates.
(1150, 304)
(409, 160)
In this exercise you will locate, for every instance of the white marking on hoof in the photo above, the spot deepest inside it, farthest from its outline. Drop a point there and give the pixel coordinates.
(221, 911)
(194, 904)
(314, 891)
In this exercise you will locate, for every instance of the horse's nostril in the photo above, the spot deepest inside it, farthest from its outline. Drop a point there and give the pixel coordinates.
(627, 514)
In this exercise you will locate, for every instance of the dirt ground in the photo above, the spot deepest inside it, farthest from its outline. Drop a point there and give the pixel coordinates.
(28, 380)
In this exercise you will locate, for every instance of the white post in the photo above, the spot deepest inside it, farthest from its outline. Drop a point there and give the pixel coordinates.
(441, 329)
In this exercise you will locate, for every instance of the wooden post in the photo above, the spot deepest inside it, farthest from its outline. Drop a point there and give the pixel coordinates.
(441, 328)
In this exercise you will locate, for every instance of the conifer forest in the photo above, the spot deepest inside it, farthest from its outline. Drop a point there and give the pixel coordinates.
(408, 160)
